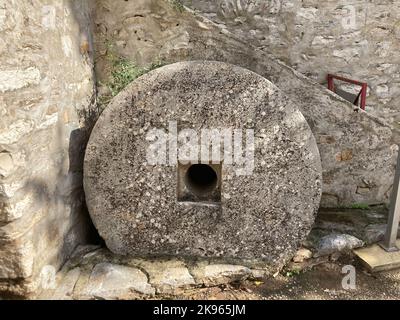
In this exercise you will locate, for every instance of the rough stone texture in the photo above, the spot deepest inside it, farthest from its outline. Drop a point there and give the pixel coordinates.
(110, 281)
(302, 255)
(167, 276)
(216, 274)
(98, 274)
(46, 84)
(65, 289)
(262, 215)
(367, 225)
(376, 232)
(169, 279)
(46, 88)
(358, 150)
(199, 275)
(355, 38)
(175, 277)
(337, 243)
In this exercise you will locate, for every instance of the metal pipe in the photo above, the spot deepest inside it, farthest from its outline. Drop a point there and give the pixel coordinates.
(364, 96)
(389, 242)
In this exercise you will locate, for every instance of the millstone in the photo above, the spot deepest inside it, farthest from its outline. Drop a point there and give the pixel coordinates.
(146, 200)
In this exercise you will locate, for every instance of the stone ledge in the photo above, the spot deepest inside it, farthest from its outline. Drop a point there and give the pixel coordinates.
(95, 273)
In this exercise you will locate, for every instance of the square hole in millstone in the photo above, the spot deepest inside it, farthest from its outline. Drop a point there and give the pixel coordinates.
(199, 182)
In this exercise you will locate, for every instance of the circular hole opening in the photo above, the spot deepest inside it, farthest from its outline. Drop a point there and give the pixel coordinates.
(201, 179)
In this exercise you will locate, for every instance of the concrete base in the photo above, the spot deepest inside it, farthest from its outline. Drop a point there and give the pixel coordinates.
(377, 259)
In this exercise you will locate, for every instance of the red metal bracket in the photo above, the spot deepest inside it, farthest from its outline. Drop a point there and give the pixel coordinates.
(362, 94)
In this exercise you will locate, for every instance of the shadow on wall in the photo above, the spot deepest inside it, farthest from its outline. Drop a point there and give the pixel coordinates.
(82, 12)
(83, 15)
(67, 223)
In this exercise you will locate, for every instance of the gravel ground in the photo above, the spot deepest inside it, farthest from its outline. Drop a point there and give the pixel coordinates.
(323, 282)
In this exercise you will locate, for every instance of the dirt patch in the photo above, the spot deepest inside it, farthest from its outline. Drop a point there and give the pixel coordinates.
(323, 282)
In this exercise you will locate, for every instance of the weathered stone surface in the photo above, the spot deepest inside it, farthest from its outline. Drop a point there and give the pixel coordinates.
(339, 130)
(65, 289)
(170, 279)
(98, 274)
(367, 144)
(376, 232)
(46, 85)
(264, 214)
(302, 255)
(337, 243)
(360, 41)
(166, 275)
(109, 281)
(217, 274)
(16, 260)
(368, 225)
(11, 80)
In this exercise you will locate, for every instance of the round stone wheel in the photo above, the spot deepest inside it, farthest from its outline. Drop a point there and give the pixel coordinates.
(203, 208)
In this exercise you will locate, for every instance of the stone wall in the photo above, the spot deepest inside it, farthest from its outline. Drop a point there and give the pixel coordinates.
(48, 100)
(358, 150)
(46, 91)
(356, 38)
